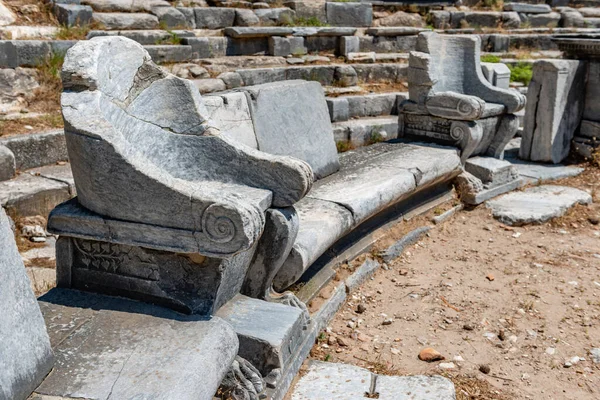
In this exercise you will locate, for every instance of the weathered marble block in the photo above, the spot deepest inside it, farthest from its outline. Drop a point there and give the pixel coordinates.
(172, 190)
(25, 353)
(158, 265)
(554, 109)
(450, 100)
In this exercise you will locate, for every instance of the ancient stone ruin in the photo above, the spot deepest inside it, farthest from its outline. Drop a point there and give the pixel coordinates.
(217, 163)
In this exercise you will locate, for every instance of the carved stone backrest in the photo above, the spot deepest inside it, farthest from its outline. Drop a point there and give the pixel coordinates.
(451, 64)
(142, 149)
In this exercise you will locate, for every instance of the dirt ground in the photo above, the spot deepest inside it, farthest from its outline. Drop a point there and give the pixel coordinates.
(522, 301)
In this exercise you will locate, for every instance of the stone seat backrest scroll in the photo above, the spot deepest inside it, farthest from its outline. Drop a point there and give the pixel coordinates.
(142, 149)
(453, 65)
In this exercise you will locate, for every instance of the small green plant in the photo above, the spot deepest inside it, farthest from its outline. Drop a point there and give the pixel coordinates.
(327, 357)
(376, 136)
(311, 21)
(344, 146)
(521, 72)
(75, 32)
(490, 58)
(173, 39)
(49, 67)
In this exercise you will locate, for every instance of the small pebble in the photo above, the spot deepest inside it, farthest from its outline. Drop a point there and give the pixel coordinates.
(484, 368)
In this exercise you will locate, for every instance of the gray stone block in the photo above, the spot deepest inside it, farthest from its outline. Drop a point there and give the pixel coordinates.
(269, 333)
(316, 44)
(571, 19)
(259, 76)
(36, 150)
(23, 53)
(279, 46)
(7, 164)
(511, 20)
(497, 74)
(113, 347)
(349, 44)
(345, 76)
(528, 8)
(189, 15)
(257, 31)
(349, 14)
(590, 129)
(207, 47)
(164, 53)
(554, 109)
(127, 6)
(33, 195)
(549, 20)
(171, 18)
(309, 10)
(245, 17)
(373, 105)
(247, 47)
(535, 172)
(209, 85)
(491, 171)
(333, 381)
(25, 346)
(276, 16)
(537, 204)
(324, 74)
(591, 111)
(477, 19)
(304, 101)
(394, 31)
(115, 21)
(232, 79)
(417, 387)
(72, 14)
(231, 113)
(338, 109)
(214, 17)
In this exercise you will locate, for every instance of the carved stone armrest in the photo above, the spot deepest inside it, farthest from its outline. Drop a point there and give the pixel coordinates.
(457, 106)
(511, 99)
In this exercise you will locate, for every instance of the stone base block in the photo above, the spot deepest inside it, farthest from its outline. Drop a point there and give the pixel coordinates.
(491, 171)
(269, 333)
(7, 164)
(109, 347)
(144, 262)
(25, 351)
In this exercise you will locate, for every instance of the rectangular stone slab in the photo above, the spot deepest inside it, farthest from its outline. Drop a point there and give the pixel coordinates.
(112, 348)
(231, 114)
(554, 109)
(291, 118)
(269, 333)
(25, 354)
(255, 32)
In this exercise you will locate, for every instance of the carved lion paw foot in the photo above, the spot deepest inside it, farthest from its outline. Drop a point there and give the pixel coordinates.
(243, 381)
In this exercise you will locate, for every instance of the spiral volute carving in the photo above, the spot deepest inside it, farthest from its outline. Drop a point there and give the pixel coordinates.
(465, 108)
(457, 132)
(217, 225)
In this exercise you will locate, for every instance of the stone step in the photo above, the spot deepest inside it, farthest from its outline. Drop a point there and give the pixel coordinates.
(36, 149)
(343, 108)
(337, 381)
(364, 131)
(37, 191)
